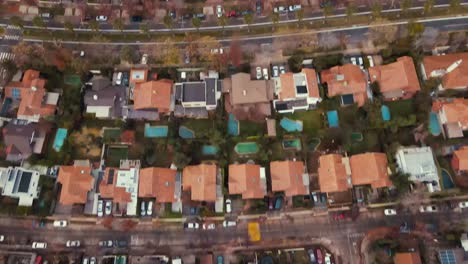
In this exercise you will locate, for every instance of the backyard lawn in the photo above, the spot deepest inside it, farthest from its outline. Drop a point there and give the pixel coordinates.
(249, 128)
(311, 120)
(401, 107)
(115, 154)
(199, 126)
(112, 134)
(85, 142)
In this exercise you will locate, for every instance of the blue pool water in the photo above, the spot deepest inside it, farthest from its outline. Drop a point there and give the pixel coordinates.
(60, 138)
(186, 133)
(447, 182)
(291, 125)
(385, 113)
(332, 118)
(233, 126)
(434, 127)
(155, 131)
(209, 150)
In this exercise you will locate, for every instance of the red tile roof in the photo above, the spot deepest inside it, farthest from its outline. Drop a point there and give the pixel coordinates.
(288, 87)
(332, 173)
(201, 181)
(245, 179)
(32, 103)
(346, 79)
(153, 95)
(76, 182)
(157, 183)
(109, 189)
(457, 78)
(370, 168)
(407, 258)
(288, 176)
(460, 159)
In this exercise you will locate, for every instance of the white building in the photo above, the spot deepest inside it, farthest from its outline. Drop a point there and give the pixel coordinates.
(419, 163)
(21, 184)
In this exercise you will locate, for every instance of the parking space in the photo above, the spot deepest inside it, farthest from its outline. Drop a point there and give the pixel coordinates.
(278, 68)
(260, 72)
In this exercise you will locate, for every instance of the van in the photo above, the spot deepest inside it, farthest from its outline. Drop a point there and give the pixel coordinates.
(47, 15)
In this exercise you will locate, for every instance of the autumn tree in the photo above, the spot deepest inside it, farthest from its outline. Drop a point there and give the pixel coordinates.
(428, 6)
(39, 22)
(222, 21)
(235, 53)
(94, 26)
(376, 9)
(118, 24)
(274, 20)
(327, 11)
(145, 29)
(454, 6)
(380, 30)
(196, 23)
(350, 11)
(69, 27)
(299, 16)
(128, 54)
(248, 19)
(405, 6)
(17, 22)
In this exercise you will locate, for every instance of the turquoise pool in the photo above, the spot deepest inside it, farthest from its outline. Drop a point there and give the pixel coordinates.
(155, 131)
(447, 182)
(292, 144)
(333, 118)
(385, 113)
(291, 125)
(209, 150)
(60, 138)
(233, 126)
(186, 133)
(246, 148)
(434, 126)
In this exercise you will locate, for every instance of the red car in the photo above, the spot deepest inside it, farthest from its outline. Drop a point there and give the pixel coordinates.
(38, 260)
(231, 13)
(339, 216)
(319, 256)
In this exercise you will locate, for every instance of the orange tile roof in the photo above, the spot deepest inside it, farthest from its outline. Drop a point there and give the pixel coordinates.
(76, 182)
(201, 181)
(398, 76)
(370, 168)
(407, 258)
(128, 137)
(32, 103)
(109, 190)
(288, 88)
(460, 159)
(245, 179)
(287, 176)
(456, 111)
(332, 173)
(157, 183)
(346, 79)
(153, 95)
(454, 79)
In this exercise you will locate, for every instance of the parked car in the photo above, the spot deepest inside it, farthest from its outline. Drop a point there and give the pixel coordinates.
(463, 205)
(173, 14)
(293, 8)
(211, 226)
(312, 258)
(118, 79)
(339, 216)
(228, 206)
(390, 211)
(101, 18)
(120, 243)
(275, 72)
(280, 9)
(125, 79)
(327, 258)
(143, 209)
(149, 210)
(92, 260)
(428, 209)
(108, 209)
(144, 59)
(201, 16)
(47, 15)
(314, 196)
(85, 261)
(73, 244)
(265, 73)
(227, 223)
(232, 13)
(219, 11)
(353, 60)
(191, 225)
(371, 60)
(2, 238)
(319, 256)
(106, 243)
(136, 19)
(246, 12)
(282, 69)
(258, 71)
(270, 203)
(60, 223)
(258, 7)
(39, 245)
(219, 260)
(278, 202)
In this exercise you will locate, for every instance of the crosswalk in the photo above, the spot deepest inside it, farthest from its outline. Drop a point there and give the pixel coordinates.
(13, 33)
(6, 56)
(12, 37)
(13, 27)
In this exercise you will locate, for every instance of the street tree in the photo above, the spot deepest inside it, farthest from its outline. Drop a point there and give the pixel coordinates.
(415, 29)
(171, 54)
(376, 9)
(381, 31)
(181, 159)
(69, 27)
(127, 54)
(405, 6)
(145, 29)
(39, 22)
(299, 16)
(275, 20)
(428, 6)
(350, 11)
(248, 19)
(168, 22)
(222, 21)
(118, 24)
(454, 6)
(196, 23)
(327, 11)
(17, 22)
(94, 26)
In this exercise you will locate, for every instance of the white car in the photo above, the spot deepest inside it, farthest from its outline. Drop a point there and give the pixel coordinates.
(144, 59)
(101, 18)
(209, 226)
(428, 209)
(371, 60)
(282, 70)
(100, 208)
(258, 70)
(118, 79)
(39, 245)
(280, 9)
(60, 223)
(293, 8)
(227, 223)
(73, 244)
(219, 11)
(228, 206)
(2, 238)
(265, 73)
(92, 261)
(143, 209)
(275, 71)
(463, 205)
(192, 225)
(85, 261)
(217, 51)
(390, 212)
(353, 60)
(327, 259)
(149, 210)
(108, 209)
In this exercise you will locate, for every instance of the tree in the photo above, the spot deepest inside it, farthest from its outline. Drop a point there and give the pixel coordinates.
(118, 24)
(222, 21)
(376, 9)
(168, 22)
(381, 31)
(69, 27)
(415, 29)
(401, 181)
(94, 25)
(180, 159)
(295, 62)
(299, 16)
(350, 11)
(127, 54)
(145, 29)
(405, 6)
(17, 22)
(275, 20)
(327, 11)
(454, 6)
(39, 22)
(248, 19)
(428, 6)
(196, 23)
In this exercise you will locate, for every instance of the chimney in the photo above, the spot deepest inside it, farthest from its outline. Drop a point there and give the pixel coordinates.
(34, 88)
(95, 97)
(244, 92)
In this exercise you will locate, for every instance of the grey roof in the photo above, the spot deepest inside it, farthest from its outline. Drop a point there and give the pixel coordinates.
(178, 92)
(130, 113)
(114, 97)
(211, 91)
(193, 92)
(19, 135)
(100, 82)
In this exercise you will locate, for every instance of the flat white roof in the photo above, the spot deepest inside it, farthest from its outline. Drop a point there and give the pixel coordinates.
(128, 179)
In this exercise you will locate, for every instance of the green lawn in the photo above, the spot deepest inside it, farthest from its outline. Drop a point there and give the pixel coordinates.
(312, 121)
(115, 154)
(249, 128)
(199, 126)
(112, 134)
(401, 107)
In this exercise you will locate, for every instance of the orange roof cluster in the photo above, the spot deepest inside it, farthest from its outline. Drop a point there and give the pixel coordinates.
(346, 79)
(153, 95)
(157, 183)
(396, 78)
(456, 111)
(201, 181)
(370, 168)
(460, 159)
(245, 179)
(457, 78)
(288, 86)
(332, 173)
(76, 182)
(407, 258)
(288, 176)
(109, 190)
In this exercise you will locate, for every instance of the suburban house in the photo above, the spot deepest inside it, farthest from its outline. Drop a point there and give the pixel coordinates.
(158, 183)
(30, 98)
(289, 177)
(370, 169)
(76, 182)
(201, 181)
(297, 91)
(248, 180)
(196, 99)
(137, 76)
(452, 114)
(347, 81)
(21, 184)
(450, 68)
(22, 139)
(407, 258)
(419, 163)
(246, 98)
(334, 173)
(150, 99)
(121, 186)
(460, 160)
(104, 100)
(396, 80)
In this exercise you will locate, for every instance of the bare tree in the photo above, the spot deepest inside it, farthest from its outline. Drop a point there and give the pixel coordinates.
(380, 31)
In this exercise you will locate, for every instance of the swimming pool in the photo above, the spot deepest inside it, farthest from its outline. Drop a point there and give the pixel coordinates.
(332, 118)
(246, 148)
(385, 113)
(233, 126)
(291, 125)
(292, 144)
(434, 126)
(60, 138)
(186, 133)
(447, 182)
(209, 150)
(155, 131)
(356, 137)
